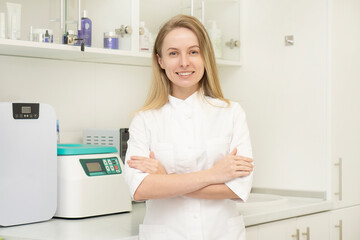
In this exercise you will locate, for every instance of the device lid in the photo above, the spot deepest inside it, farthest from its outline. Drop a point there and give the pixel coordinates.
(82, 149)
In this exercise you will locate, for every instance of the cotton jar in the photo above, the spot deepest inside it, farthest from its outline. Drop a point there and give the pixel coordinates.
(111, 40)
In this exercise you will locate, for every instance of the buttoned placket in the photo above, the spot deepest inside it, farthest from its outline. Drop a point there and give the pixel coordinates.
(194, 213)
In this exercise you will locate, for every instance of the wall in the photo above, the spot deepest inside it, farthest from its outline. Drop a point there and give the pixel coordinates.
(84, 95)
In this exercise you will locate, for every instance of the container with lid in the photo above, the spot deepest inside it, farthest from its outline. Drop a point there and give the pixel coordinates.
(111, 40)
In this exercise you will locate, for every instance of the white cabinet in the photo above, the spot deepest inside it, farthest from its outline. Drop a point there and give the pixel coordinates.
(340, 224)
(227, 21)
(280, 230)
(345, 99)
(311, 227)
(62, 16)
(252, 233)
(345, 224)
(314, 227)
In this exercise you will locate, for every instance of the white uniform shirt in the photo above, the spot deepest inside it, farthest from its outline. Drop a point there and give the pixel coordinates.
(188, 136)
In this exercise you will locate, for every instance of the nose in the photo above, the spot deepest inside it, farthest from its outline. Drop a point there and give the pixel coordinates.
(184, 60)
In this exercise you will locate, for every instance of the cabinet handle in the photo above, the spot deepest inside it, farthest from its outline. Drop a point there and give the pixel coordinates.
(296, 235)
(307, 233)
(340, 226)
(339, 193)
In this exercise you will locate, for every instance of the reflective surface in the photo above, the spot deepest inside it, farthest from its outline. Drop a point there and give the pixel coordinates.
(258, 200)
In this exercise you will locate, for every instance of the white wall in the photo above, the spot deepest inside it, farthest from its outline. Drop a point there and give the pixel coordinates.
(84, 95)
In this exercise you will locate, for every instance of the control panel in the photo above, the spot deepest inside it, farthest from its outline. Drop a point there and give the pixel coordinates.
(25, 110)
(101, 166)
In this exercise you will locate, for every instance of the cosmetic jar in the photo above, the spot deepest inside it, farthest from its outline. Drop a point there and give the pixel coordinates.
(111, 40)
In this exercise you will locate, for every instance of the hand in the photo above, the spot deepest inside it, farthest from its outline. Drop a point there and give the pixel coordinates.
(147, 165)
(232, 166)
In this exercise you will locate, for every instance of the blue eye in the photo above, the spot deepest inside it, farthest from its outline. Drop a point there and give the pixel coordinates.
(172, 53)
(194, 52)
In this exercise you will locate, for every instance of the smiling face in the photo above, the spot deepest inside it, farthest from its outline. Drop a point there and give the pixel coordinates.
(182, 61)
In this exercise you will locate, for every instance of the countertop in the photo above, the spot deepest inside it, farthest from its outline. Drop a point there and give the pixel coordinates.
(124, 226)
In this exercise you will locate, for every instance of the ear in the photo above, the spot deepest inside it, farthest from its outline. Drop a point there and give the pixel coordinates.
(160, 61)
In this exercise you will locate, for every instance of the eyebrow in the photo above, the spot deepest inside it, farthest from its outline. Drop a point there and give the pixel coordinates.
(171, 48)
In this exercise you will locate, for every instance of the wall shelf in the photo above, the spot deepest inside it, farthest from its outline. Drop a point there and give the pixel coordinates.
(30, 49)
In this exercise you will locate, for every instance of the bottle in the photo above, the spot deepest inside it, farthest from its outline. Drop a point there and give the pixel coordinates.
(47, 36)
(144, 38)
(58, 131)
(215, 36)
(86, 29)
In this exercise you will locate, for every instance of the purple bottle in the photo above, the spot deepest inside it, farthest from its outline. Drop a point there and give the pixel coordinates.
(86, 29)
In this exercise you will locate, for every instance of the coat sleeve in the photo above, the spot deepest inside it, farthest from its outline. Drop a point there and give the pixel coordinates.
(241, 140)
(138, 145)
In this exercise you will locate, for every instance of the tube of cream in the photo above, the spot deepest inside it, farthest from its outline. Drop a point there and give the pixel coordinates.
(2, 25)
(14, 20)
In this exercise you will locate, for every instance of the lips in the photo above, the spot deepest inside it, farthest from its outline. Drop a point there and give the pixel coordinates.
(184, 74)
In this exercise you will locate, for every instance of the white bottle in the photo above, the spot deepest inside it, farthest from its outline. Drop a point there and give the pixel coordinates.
(215, 35)
(144, 38)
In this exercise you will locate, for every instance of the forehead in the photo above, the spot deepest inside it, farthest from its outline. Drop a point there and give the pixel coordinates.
(180, 38)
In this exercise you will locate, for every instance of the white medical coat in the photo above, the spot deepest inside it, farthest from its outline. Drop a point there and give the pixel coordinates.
(187, 136)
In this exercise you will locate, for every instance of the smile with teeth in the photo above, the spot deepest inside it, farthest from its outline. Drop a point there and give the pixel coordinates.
(184, 73)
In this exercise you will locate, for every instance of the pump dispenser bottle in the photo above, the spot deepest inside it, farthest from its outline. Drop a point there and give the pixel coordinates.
(86, 29)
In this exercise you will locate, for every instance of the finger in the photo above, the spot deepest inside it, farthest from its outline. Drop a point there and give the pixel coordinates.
(137, 161)
(243, 168)
(234, 152)
(238, 157)
(242, 174)
(152, 155)
(244, 163)
(137, 165)
(138, 158)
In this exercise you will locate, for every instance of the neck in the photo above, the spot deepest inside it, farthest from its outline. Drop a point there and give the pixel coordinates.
(183, 93)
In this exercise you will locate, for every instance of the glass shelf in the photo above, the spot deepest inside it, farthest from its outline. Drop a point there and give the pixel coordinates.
(73, 53)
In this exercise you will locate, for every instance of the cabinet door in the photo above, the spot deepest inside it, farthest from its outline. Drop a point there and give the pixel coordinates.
(223, 26)
(35, 15)
(345, 101)
(106, 16)
(280, 230)
(345, 224)
(252, 233)
(314, 227)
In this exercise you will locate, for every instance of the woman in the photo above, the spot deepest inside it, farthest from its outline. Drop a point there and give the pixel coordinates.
(189, 152)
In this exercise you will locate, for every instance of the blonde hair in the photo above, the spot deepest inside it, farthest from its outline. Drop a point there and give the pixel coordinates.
(160, 87)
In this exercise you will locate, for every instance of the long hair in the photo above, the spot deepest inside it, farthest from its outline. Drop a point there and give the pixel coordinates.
(160, 87)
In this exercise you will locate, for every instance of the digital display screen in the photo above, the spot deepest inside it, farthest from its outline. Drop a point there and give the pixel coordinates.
(25, 109)
(94, 167)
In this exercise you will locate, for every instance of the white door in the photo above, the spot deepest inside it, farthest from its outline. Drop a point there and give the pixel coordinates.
(345, 102)
(252, 233)
(345, 224)
(314, 227)
(280, 230)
